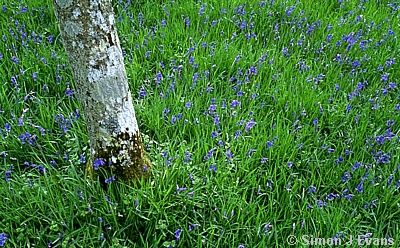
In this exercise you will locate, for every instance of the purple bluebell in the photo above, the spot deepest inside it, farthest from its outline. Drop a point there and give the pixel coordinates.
(109, 180)
(7, 127)
(191, 227)
(98, 162)
(229, 155)
(177, 234)
(346, 176)
(311, 189)
(213, 168)
(3, 239)
(7, 175)
(249, 125)
(321, 204)
(235, 103)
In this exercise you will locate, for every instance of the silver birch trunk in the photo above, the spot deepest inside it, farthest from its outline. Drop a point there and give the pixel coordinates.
(90, 39)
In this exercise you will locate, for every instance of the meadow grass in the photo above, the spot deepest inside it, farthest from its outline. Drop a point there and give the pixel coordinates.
(263, 119)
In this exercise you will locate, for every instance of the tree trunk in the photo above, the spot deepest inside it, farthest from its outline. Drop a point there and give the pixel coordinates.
(92, 44)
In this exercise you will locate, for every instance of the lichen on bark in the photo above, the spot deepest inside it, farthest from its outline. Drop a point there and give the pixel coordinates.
(92, 44)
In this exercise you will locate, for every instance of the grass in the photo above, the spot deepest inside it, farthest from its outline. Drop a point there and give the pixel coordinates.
(263, 119)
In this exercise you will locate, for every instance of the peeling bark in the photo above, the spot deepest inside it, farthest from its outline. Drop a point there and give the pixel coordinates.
(92, 44)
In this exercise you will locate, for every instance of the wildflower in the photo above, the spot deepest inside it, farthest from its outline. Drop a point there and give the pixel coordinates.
(235, 103)
(339, 160)
(213, 168)
(68, 92)
(290, 10)
(212, 108)
(98, 162)
(311, 189)
(192, 227)
(109, 180)
(7, 127)
(229, 154)
(41, 169)
(187, 22)
(356, 166)
(188, 105)
(216, 120)
(177, 234)
(188, 157)
(331, 196)
(15, 60)
(209, 154)
(142, 92)
(7, 175)
(385, 77)
(28, 138)
(321, 204)
(360, 187)
(3, 239)
(249, 125)
(346, 176)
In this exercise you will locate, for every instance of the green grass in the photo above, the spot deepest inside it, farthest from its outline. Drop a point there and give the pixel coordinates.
(320, 106)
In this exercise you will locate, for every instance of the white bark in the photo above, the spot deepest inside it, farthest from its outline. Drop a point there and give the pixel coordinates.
(91, 41)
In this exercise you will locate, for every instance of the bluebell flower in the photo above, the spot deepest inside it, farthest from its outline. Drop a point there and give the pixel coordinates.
(192, 227)
(213, 168)
(346, 177)
(360, 187)
(109, 180)
(290, 10)
(249, 125)
(209, 154)
(212, 108)
(7, 175)
(98, 162)
(229, 154)
(339, 160)
(15, 60)
(235, 103)
(3, 239)
(311, 189)
(177, 234)
(385, 77)
(331, 196)
(187, 22)
(381, 157)
(321, 204)
(142, 92)
(188, 157)
(7, 127)
(216, 120)
(69, 92)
